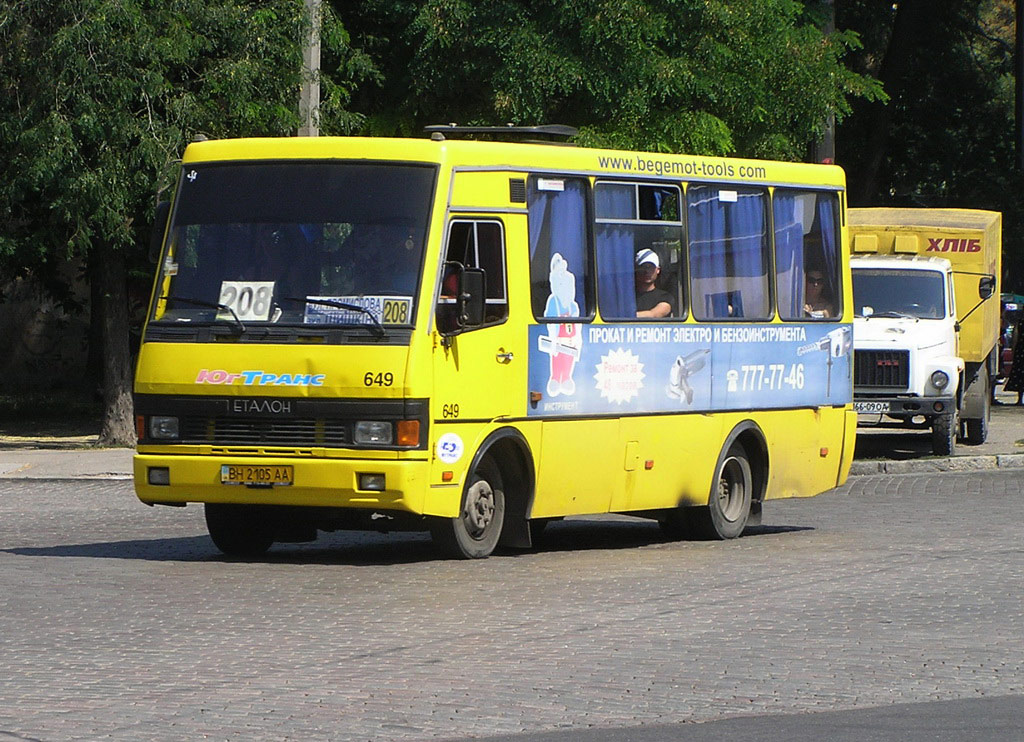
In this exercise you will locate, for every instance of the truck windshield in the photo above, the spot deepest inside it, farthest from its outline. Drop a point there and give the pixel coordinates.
(295, 243)
(899, 293)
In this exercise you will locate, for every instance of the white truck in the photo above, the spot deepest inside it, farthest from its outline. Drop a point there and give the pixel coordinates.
(926, 325)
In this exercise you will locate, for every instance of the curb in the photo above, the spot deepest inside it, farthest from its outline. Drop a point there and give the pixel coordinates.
(951, 464)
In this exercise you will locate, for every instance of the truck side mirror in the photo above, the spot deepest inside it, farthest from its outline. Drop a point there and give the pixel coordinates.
(156, 236)
(986, 287)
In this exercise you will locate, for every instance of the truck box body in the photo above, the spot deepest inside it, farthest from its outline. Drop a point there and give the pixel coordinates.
(970, 239)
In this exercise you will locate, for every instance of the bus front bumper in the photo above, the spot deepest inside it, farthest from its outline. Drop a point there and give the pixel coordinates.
(328, 482)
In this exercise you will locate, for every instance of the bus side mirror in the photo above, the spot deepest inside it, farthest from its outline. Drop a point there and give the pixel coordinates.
(986, 287)
(462, 300)
(156, 236)
(472, 297)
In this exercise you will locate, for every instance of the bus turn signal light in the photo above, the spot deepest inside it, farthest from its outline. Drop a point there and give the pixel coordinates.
(408, 432)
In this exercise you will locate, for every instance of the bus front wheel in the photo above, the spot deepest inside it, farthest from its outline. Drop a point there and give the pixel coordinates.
(239, 530)
(731, 495)
(474, 534)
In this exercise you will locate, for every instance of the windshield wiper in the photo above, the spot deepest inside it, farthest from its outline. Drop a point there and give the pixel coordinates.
(902, 315)
(212, 305)
(376, 328)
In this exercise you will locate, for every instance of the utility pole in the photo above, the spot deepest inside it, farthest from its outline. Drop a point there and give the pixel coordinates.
(309, 91)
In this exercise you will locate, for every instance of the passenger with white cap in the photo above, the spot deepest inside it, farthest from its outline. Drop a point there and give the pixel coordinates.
(650, 300)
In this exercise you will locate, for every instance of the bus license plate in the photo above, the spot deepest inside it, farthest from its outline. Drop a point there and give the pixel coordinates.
(870, 406)
(259, 475)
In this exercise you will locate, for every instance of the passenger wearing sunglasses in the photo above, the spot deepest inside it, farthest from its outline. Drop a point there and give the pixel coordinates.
(817, 303)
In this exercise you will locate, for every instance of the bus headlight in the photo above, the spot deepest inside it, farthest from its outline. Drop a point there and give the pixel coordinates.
(940, 380)
(373, 431)
(163, 427)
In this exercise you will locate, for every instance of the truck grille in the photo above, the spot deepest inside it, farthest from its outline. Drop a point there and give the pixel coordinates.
(888, 369)
(252, 431)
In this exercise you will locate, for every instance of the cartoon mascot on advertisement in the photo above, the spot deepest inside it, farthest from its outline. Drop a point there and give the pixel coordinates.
(564, 341)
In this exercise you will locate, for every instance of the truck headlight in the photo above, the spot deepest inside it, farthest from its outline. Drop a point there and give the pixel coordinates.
(163, 427)
(940, 380)
(373, 431)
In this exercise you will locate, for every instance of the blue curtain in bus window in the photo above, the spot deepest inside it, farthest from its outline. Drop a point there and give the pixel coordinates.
(827, 223)
(747, 225)
(616, 251)
(707, 253)
(557, 225)
(789, 254)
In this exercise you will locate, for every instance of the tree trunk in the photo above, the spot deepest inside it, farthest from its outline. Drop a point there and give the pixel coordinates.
(118, 420)
(907, 37)
(93, 380)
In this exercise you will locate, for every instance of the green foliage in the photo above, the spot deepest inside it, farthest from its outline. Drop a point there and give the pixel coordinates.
(701, 76)
(949, 136)
(99, 97)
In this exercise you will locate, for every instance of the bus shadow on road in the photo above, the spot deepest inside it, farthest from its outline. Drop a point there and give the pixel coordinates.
(582, 535)
(357, 548)
(190, 549)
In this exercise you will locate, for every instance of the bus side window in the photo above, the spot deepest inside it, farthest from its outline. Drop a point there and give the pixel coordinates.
(561, 284)
(728, 252)
(481, 244)
(807, 254)
(638, 239)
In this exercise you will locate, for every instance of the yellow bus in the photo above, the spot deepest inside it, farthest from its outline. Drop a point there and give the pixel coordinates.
(474, 338)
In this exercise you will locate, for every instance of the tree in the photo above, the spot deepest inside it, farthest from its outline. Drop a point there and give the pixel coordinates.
(701, 76)
(946, 136)
(98, 99)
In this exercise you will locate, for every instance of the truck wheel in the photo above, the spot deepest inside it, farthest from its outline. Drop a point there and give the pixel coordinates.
(474, 534)
(944, 429)
(977, 428)
(239, 530)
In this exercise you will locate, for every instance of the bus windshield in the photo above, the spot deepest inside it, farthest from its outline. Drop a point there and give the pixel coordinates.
(917, 294)
(296, 243)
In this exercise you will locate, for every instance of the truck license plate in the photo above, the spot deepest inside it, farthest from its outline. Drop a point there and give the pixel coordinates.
(870, 406)
(255, 474)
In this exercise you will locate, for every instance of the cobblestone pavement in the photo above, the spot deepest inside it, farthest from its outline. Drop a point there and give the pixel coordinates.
(121, 622)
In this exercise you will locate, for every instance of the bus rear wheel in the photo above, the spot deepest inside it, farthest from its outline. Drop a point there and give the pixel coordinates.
(474, 534)
(239, 530)
(731, 495)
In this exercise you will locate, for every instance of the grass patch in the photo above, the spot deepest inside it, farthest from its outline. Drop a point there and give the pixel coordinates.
(49, 414)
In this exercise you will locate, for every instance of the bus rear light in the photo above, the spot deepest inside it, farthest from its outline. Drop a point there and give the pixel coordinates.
(408, 432)
(938, 406)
